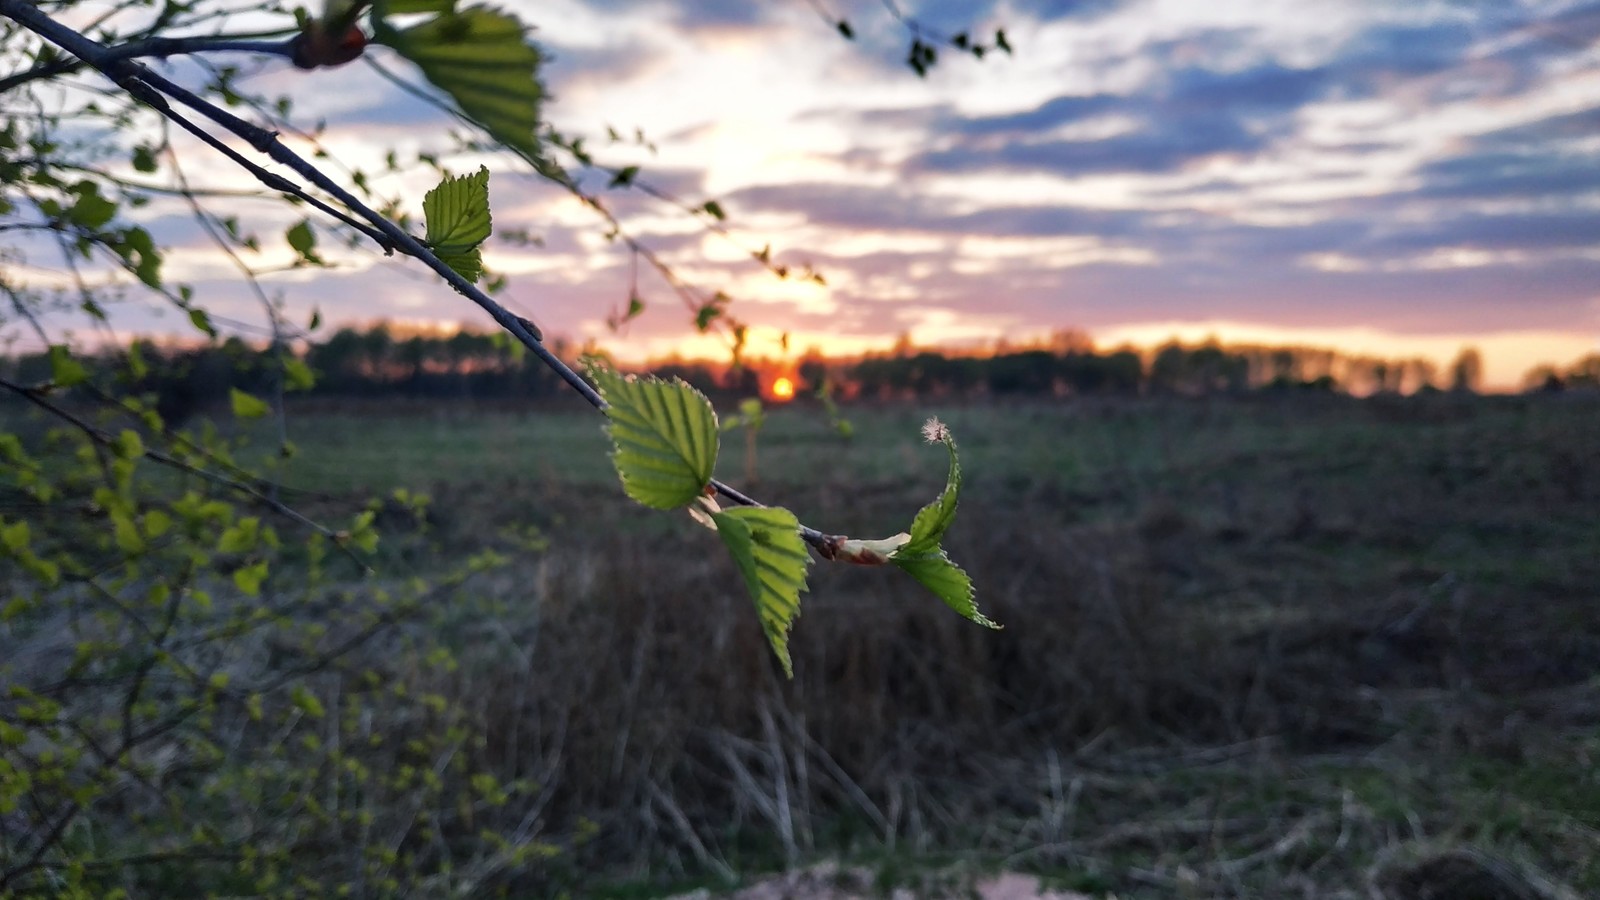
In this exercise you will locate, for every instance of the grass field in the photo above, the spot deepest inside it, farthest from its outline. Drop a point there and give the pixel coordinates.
(1265, 647)
(1268, 646)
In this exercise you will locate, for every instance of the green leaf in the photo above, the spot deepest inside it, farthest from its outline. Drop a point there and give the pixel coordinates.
(714, 210)
(928, 529)
(91, 211)
(766, 545)
(138, 249)
(137, 367)
(304, 241)
(64, 370)
(922, 557)
(297, 376)
(307, 702)
(14, 537)
(129, 540)
(408, 7)
(458, 222)
(246, 406)
(946, 579)
(202, 320)
(624, 177)
(665, 437)
(248, 578)
(144, 159)
(482, 58)
(129, 445)
(240, 537)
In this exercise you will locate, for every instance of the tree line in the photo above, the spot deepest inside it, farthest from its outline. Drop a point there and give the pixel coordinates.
(384, 361)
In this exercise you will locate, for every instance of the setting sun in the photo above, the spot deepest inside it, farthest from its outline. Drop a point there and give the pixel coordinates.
(782, 389)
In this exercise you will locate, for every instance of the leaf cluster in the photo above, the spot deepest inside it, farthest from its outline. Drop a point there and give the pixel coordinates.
(665, 438)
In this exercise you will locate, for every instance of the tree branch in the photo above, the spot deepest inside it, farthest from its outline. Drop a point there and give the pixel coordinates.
(154, 90)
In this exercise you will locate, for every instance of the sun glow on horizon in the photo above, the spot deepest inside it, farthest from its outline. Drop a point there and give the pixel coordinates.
(782, 389)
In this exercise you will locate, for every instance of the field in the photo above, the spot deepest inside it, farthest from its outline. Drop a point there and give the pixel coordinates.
(1261, 647)
(1266, 646)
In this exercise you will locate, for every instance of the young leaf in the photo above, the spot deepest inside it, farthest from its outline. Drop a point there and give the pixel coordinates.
(248, 578)
(922, 557)
(303, 241)
(297, 376)
(246, 406)
(766, 545)
(714, 210)
(64, 370)
(457, 215)
(928, 529)
(665, 437)
(200, 319)
(91, 210)
(946, 579)
(483, 59)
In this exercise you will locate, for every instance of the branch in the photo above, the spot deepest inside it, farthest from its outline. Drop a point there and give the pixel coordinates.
(154, 90)
(154, 47)
(102, 439)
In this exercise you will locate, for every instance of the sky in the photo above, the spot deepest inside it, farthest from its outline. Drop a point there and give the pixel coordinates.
(1397, 178)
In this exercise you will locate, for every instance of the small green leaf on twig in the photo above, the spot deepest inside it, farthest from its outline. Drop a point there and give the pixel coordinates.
(766, 545)
(458, 221)
(664, 434)
(922, 557)
(200, 319)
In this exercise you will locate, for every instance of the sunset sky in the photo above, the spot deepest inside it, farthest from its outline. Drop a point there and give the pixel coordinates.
(1376, 176)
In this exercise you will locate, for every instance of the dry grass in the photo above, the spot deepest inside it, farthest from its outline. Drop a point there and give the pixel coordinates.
(1251, 650)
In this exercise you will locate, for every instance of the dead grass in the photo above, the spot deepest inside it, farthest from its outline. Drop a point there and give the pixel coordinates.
(1252, 649)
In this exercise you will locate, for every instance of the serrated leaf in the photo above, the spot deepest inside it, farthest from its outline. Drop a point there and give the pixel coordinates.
(946, 579)
(246, 406)
(928, 529)
(766, 545)
(664, 434)
(64, 370)
(483, 59)
(922, 557)
(458, 221)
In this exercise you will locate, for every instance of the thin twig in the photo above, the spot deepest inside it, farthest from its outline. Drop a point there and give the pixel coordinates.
(102, 439)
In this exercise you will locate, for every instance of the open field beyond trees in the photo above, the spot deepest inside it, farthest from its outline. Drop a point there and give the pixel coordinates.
(1283, 646)
(1275, 646)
